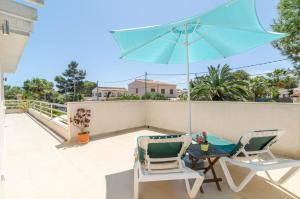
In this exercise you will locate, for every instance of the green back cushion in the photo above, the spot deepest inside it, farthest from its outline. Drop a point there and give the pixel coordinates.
(258, 143)
(160, 150)
(255, 144)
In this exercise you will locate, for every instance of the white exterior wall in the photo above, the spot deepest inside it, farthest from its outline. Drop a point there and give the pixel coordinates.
(229, 120)
(2, 116)
(20, 19)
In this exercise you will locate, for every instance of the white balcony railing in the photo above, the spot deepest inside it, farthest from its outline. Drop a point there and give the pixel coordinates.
(52, 110)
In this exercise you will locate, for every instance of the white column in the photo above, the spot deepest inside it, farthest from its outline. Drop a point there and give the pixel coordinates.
(188, 80)
(2, 115)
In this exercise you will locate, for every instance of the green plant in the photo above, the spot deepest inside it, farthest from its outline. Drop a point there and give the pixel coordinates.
(130, 97)
(202, 139)
(81, 119)
(24, 106)
(153, 96)
(183, 96)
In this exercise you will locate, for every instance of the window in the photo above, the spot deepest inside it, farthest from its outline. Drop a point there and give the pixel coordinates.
(171, 92)
(162, 91)
(99, 94)
(152, 90)
(136, 90)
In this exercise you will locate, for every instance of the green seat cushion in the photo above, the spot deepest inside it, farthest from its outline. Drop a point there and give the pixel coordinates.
(160, 150)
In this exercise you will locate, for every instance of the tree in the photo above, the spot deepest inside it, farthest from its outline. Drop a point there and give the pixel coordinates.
(289, 22)
(56, 97)
(277, 77)
(11, 92)
(219, 85)
(38, 89)
(70, 83)
(88, 87)
(241, 75)
(281, 78)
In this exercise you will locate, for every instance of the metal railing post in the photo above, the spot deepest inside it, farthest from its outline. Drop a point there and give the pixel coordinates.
(51, 110)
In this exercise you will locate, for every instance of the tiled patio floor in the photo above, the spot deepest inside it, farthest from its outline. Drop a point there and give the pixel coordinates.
(38, 166)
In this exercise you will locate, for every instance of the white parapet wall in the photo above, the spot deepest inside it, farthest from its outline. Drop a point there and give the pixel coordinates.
(229, 120)
(58, 127)
(110, 116)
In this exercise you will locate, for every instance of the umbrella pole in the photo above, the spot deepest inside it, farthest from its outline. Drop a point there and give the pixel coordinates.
(188, 80)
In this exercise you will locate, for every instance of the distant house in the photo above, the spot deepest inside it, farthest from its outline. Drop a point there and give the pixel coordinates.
(296, 95)
(285, 95)
(103, 93)
(140, 86)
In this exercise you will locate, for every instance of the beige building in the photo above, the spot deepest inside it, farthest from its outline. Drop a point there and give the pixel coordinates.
(296, 95)
(102, 93)
(139, 86)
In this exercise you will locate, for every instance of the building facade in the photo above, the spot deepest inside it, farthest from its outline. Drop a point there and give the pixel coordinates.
(140, 87)
(296, 95)
(105, 93)
(16, 22)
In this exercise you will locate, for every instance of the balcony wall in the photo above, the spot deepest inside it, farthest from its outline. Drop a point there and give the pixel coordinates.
(231, 120)
(225, 119)
(110, 116)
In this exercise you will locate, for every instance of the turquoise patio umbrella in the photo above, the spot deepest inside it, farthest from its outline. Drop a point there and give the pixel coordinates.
(227, 30)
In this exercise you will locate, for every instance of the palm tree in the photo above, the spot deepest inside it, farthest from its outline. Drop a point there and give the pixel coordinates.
(277, 77)
(219, 85)
(259, 87)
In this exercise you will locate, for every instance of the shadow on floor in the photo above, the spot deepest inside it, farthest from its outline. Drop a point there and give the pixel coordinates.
(120, 185)
(112, 134)
(259, 187)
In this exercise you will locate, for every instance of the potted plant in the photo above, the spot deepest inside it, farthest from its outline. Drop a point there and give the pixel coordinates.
(82, 120)
(202, 141)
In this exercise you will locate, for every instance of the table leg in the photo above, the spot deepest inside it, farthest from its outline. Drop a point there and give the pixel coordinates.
(211, 167)
(194, 162)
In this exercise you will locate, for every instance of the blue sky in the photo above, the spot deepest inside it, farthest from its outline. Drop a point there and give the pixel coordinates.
(79, 30)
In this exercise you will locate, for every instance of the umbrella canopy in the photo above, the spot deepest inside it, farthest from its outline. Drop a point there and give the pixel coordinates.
(227, 30)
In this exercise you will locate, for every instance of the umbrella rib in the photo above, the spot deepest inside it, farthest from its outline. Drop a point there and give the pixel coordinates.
(210, 43)
(236, 28)
(170, 55)
(144, 44)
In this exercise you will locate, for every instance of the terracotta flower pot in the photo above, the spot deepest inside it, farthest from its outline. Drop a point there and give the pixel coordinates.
(83, 138)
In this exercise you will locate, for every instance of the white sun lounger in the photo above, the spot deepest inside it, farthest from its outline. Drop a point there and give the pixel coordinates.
(251, 153)
(158, 158)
